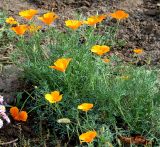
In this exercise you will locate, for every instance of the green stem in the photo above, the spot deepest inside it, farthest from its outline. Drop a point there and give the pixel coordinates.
(78, 121)
(68, 133)
(25, 101)
(34, 108)
(57, 107)
(87, 117)
(124, 116)
(114, 38)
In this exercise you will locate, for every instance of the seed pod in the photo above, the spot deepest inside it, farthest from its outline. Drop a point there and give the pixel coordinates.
(64, 121)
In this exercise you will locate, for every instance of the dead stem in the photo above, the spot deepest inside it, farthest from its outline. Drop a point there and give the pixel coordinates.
(10, 142)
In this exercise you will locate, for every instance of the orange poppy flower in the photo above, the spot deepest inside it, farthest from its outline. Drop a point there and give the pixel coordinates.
(138, 51)
(53, 97)
(92, 20)
(20, 29)
(119, 14)
(28, 14)
(106, 60)
(33, 28)
(48, 18)
(100, 50)
(85, 106)
(73, 24)
(61, 64)
(18, 115)
(11, 20)
(88, 136)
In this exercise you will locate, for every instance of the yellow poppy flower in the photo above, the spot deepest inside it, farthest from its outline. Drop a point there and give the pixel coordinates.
(53, 97)
(28, 14)
(61, 64)
(119, 14)
(92, 20)
(73, 24)
(11, 20)
(20, 29)
(100, 50)
(138, 51)
(88, 136)
(48, 18)
(85, 106)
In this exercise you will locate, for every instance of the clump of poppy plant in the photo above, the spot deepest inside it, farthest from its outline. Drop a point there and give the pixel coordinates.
(85, 78)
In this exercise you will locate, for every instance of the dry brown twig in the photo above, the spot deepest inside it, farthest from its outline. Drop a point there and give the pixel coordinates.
(9, 142)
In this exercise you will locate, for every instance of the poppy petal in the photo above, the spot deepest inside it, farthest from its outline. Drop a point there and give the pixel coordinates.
(14, 111)
(49, 98)
(57, 68)
(23, 115)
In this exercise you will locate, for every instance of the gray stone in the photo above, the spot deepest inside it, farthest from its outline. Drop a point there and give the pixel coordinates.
(10, 82)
